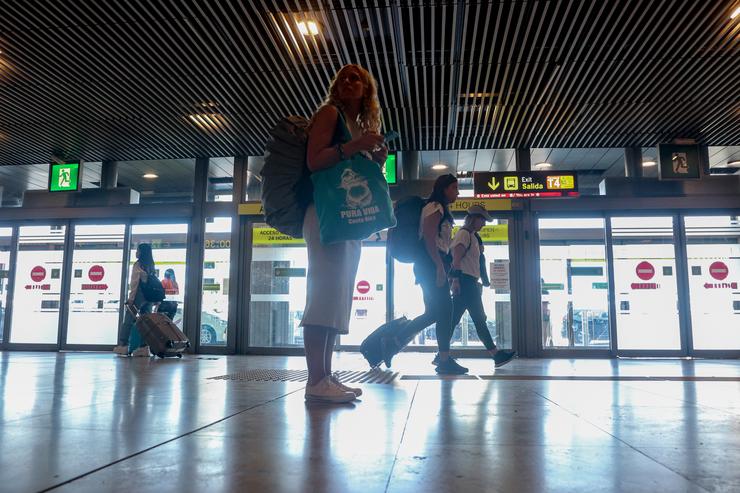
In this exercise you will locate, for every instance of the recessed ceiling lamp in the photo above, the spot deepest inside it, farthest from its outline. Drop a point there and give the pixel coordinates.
(308, 28)
(733, 164)
(647, 164)
(542, 166)
(439, 166)
(149, 176)
(208, 121)
(735, 13)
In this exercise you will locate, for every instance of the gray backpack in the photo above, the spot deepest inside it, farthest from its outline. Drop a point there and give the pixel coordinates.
(286, 180)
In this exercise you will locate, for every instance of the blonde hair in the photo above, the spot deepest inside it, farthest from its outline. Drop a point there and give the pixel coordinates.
(369, 116)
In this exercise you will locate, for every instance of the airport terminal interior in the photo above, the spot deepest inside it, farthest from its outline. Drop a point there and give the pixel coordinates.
(602, 137)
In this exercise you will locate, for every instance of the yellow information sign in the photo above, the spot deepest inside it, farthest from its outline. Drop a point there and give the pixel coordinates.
(251, 209)
(460, 205)
(463, 204)
(271, 236)
(497, 233)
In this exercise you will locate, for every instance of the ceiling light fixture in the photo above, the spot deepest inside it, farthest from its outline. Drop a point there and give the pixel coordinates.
(308, 28)
(439, 166)
(647, 164)
(542, 166)
(149, 176)
(733, 164)
(735, 13)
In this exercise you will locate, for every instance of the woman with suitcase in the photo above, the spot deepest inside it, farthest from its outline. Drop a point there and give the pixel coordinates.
(142, 268)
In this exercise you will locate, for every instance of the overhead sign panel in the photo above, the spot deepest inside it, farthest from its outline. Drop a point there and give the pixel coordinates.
(525, 184)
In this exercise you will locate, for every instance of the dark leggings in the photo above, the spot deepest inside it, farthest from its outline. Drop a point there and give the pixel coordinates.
(437, 306)
(470, 299)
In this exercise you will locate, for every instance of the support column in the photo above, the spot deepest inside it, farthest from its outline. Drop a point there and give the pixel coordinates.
(109, 175)
(523, 159)
(633, 162)
(194, 256)
(410, 165)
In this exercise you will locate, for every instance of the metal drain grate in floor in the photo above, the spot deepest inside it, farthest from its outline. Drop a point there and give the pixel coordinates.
(282, 375)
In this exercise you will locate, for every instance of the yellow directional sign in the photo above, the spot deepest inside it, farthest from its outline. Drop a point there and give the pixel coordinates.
(493, 184)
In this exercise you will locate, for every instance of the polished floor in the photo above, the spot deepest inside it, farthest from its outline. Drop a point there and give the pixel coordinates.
(91, 422)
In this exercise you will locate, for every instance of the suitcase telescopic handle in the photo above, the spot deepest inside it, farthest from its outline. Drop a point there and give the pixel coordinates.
(132, 309)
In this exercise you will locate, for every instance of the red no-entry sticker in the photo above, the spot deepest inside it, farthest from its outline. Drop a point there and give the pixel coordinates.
(363, 287)
(645, 271)
(38, 274)
(96, 273)
(719, 271)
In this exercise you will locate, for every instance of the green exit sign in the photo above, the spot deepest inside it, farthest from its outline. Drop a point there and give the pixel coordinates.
(390, 169)
(64, 177)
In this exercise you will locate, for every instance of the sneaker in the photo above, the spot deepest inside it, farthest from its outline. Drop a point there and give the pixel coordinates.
(436, 361)
(327, 391)
(451, 367)
(142, 352)
(502, 357)
(121, 350)
(354, 390)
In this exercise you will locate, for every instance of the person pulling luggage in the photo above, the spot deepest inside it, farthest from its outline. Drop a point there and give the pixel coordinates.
(468, 266)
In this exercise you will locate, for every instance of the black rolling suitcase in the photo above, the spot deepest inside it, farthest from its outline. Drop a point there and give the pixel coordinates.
(372, 348)
(165, 339)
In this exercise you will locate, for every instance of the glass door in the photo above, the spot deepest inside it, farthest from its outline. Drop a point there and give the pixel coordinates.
(6, 237)
(645, 283)
(713, 252)
(95, 287)
(574, 283)
(408, 300)
(38, 285)
(214, 308)
(169, 248)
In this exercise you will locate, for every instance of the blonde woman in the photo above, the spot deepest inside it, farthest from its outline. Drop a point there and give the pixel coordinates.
(346, 124)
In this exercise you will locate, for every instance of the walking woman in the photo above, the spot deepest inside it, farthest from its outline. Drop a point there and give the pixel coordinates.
(346, 124)
(142, 268)
(431, 271)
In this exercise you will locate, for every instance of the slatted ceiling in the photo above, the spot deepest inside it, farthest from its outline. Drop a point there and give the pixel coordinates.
(452, 75)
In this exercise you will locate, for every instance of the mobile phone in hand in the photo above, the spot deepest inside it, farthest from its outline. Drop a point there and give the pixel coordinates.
(390, 135)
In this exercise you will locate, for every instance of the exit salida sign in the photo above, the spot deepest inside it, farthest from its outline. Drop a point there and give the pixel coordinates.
(525, 184)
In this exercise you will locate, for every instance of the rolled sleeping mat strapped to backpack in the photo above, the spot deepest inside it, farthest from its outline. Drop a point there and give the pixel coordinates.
(286, 180)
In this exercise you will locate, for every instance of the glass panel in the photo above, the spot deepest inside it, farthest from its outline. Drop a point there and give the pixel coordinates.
(713, 247)
(95, 288)
(409, 302)
(369, 298)
(38, 284)
(16, 180)
(214, 311)
(645, 283)
(574, 283)
(592, 164)
(278, 288)
(159, 181)
(169, 247)
(253, 188)
(5, 245)
(220, 179)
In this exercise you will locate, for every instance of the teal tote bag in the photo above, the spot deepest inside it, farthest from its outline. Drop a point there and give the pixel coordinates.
(352, 200)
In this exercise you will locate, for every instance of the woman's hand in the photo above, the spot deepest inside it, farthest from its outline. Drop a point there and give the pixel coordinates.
(441, 276)
(380, 155)
(367, 142)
